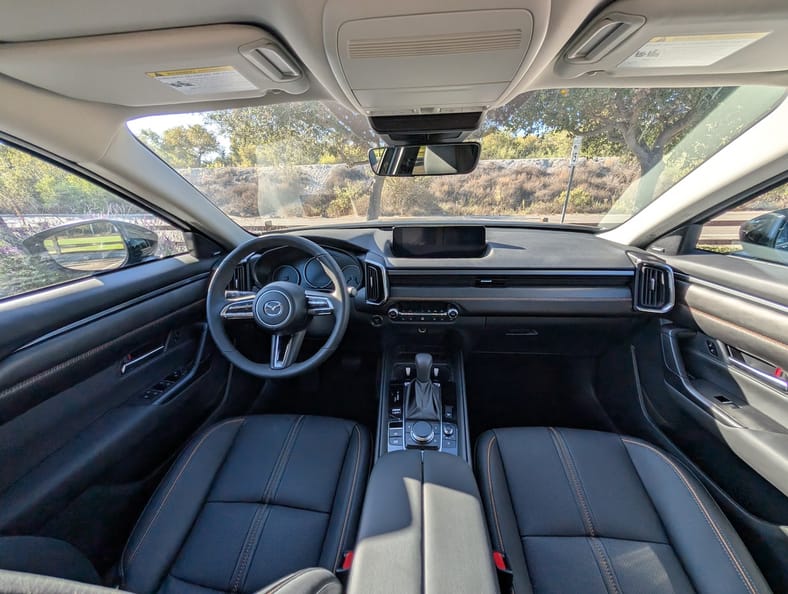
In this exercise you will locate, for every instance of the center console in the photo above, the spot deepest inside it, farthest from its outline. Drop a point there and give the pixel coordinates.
(422, 403)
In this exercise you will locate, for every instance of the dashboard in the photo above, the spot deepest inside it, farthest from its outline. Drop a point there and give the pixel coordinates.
(520, 272)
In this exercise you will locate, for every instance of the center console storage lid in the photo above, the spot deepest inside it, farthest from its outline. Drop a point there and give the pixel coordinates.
(422, 529)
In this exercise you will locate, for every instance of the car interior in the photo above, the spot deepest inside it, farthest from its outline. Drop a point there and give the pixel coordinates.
(387, 349)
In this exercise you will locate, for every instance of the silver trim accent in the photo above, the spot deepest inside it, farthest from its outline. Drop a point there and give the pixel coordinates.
(772, 380)
(641, 265)
(128, 365)
(280, 359)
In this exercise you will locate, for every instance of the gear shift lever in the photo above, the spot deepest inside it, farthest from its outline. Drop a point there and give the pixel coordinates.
(423, 367)
(423, 397)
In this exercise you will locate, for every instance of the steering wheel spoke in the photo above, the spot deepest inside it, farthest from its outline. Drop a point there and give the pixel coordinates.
(285, 349)
(239, 305)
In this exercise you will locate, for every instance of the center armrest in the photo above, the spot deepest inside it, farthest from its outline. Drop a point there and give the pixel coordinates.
(422, 529)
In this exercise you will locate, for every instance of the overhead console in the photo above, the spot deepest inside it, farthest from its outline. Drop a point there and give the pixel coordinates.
(417, 57)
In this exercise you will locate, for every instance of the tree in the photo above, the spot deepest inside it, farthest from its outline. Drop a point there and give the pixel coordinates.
(184, 146)
(298, 134)
(644, 123)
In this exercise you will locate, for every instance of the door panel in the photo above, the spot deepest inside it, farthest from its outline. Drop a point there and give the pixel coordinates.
(722, 397)
(111, 378)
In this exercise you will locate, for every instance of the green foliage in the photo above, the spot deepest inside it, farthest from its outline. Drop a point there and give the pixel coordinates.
(293, 134)
(29, 185)
(502, 144)
(185, 146)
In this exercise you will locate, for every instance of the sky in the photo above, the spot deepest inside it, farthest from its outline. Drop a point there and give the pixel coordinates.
(160, 123)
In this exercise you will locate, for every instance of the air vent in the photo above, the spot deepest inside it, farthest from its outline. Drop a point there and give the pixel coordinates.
(376, 283)
(436, 45)
(502, 281)
(240, 280)
(654, 288)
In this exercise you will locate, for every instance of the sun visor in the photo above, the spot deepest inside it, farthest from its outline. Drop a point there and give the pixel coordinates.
(428, 63)
(158, 67)
(651, 39)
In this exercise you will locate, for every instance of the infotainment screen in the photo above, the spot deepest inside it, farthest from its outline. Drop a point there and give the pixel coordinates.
(459, 241)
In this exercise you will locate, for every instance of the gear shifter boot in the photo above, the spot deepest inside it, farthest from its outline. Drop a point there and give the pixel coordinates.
(423, 398)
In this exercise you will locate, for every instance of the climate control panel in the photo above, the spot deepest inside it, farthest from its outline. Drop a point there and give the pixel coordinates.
(423, 311)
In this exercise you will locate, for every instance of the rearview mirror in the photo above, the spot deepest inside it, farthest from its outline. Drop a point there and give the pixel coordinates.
(93, 246)
(420, 159)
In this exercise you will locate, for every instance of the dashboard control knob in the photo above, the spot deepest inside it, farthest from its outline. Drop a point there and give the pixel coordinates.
(448, 430)
(393, 313)
(422, 432)
(452, 313)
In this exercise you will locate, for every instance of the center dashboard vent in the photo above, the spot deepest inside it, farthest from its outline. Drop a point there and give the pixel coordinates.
(503, 281)
(654, 288)
(376, 283)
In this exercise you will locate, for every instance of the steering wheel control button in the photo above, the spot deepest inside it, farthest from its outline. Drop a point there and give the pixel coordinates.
(422, 432)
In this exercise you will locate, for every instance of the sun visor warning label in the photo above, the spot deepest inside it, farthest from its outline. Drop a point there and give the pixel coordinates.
(679, 51)
(204, 81)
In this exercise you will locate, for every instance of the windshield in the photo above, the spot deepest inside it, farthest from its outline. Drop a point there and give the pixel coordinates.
(579, 156)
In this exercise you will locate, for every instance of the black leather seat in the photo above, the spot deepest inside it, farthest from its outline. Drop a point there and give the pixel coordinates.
(584, 511)
(251, 500)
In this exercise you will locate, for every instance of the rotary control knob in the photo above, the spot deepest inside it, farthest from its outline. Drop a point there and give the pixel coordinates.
(393, 313)
(448, 430)
(452, 313)
(422, 432)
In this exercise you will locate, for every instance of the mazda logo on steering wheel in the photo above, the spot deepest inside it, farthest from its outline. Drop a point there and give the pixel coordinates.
(272, 308)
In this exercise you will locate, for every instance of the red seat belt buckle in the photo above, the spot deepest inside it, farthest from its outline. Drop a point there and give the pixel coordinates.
(347, 561)
(505, 577)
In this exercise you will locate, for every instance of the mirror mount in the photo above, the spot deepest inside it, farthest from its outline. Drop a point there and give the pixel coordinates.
(425, 159)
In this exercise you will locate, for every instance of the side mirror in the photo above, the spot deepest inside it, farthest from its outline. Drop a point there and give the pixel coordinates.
(425, 159)
(93, 246)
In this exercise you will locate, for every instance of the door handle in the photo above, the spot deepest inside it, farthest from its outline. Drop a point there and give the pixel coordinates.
(774, 381)
(130, 364)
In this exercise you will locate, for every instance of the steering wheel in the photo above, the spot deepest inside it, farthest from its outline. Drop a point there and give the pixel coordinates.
(281, 309)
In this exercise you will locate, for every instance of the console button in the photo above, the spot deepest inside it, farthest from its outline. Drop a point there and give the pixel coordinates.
(449, 444)
(395, 432)
(448, 430)
(395, 441)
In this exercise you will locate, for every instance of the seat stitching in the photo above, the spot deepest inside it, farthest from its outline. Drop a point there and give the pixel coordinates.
(493, 440)
(252, 536)
(134, 552)
(286, 459)
(278, 463)
(606, 568)
(350, 498)
(260, 517)
(743, 574)
(574, 480)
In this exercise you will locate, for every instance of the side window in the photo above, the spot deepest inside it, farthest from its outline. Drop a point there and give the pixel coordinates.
(756, 229)
(56, 227)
